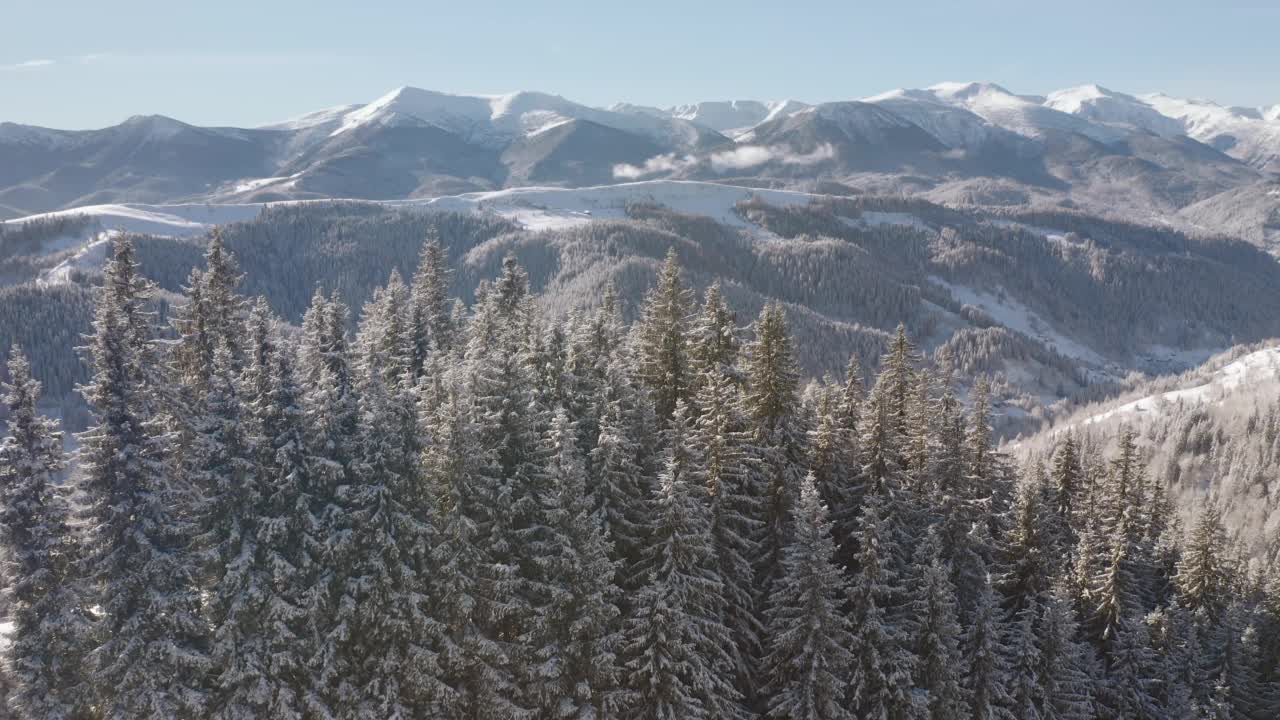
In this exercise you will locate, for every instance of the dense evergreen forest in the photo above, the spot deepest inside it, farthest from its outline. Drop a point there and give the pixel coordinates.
(493, 512)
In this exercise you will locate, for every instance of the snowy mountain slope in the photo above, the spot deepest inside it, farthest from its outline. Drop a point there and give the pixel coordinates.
(536, 208)
(1244, 133)
(495, 120)
(1101, 105)
(1025, 115)
(954, 126)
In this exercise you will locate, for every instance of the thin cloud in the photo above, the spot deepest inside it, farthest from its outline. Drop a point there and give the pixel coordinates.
(29, 64)
(739, 158)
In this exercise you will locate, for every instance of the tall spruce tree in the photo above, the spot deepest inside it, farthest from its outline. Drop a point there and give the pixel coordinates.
(662, 339)
(771, 403)
(677, 644)
(288, 533)
(431, 313)
(936, 635)
(150, 656)
(45, 652)
(577, 638)
(468, 587)
(987, 660)
(807, 666)
(1202, 575)
(881, 679)
(233, 562)
(721, 441)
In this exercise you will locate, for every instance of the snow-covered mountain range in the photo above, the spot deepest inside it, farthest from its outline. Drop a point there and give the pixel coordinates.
(1189, 163)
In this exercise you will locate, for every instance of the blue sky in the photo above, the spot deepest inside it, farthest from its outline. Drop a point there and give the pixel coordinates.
(79, 64)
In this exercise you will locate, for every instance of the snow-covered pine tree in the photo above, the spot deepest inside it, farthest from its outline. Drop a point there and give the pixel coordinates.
(467, 586)
(662, 339)
(807, 665)
(1202, 575)
(1063, 670)
(1068, 486)
(898, 374)
(430, 315)
(384, 633)
(720, 440)
(1026, 692)
(834, 464)
(288, 534)
(333, 420)
(987, 661)
(510, 422)
(233, 568)
(212, 316)
(771, 403)
(920, 431)
(713, 342)
(45, 651)
(936, 635)
(1234, 671)
(881, 683)
(678, 665)
(1115, 598)
(577, 637)
(1125, 691)
(618, 483)
(150, 657)
(384, 367)
(1026, 573)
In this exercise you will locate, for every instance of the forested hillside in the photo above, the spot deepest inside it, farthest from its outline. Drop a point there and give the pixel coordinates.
(1050, 305)
(531, 508)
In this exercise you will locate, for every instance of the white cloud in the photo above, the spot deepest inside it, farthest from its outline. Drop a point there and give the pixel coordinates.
(29, 64)
(739, 158)
(657, 164)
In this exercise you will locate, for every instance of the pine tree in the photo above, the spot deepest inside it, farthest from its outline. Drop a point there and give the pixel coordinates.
(808, 661)
(980, 470)
(577, 637)
(677, 643)
(44, 654)
(212, 317)
(1063, 669)
(881, 679)
(899, 379)
(713, 343)
(1114, 596)
(618, 483)
(150, 658)
(987, 661)
(663, 339)
(936, 635)
(1202, 577)
(1067, 483)
(834, 464)
(1026, 575)
(383, 631)
(467, 585)
(287, 531)
(1026, 689)
(720, 440)
(1126, 691)
(430, 317)
(1235, 672)
(771, 404)
(333, 420)
(223, 465)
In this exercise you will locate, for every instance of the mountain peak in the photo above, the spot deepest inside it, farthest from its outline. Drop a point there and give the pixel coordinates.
(966, 90)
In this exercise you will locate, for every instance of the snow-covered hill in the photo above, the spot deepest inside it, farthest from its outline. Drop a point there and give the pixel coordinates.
(496, 119)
